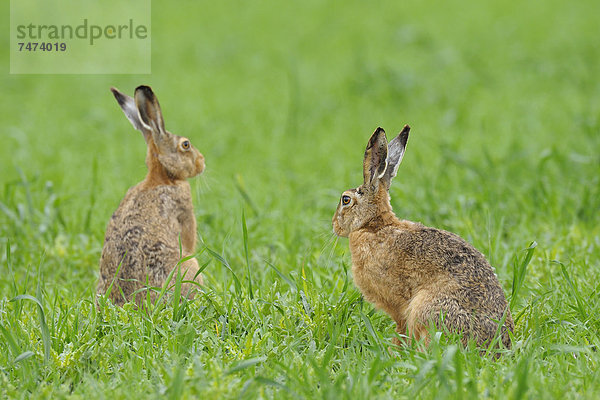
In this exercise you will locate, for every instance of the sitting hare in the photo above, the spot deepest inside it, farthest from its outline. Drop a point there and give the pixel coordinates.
(144, 234)
(418, 275)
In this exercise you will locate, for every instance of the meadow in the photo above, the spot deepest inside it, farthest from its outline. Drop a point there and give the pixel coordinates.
(504, 103)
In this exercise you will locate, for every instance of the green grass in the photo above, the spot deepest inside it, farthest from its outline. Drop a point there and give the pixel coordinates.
(504, 104)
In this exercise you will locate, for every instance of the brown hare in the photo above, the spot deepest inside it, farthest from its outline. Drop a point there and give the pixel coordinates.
(418, 275)
(144, 234)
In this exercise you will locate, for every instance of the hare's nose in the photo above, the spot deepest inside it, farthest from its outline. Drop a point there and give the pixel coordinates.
(200, 164)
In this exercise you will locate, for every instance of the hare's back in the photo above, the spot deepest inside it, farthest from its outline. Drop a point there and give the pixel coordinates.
(435, 252)
(477, 284)
(453, 254)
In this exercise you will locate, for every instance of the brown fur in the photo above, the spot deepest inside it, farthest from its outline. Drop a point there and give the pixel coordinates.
(416, 274)
(143, 234)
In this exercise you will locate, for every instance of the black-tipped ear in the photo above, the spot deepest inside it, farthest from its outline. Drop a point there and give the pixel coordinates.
(396, 149)
(130, 110)
(149, 109)
(375, 161)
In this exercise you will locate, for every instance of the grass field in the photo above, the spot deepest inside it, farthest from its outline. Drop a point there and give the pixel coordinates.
(504, 104)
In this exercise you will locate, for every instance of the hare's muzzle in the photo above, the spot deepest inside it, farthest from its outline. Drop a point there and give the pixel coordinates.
(200, 164)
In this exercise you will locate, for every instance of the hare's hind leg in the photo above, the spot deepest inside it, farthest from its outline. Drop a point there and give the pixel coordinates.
(485, 330)
(440, 309)
(470, 323)
(416, 312)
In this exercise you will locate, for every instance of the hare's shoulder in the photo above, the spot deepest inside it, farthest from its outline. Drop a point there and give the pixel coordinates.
(392, 244)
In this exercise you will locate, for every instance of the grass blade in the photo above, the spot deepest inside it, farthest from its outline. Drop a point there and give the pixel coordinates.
(239, 185)
(23, 356)
(282, 276)
(43, 326)
(10, 269)
(245, 232)
(223, 261)
(106, 295)
(371, 330)
(522, 379)
(519, 272)
(10, 340)
(92, 199)
(270, 382)
(581, 305)
(176, 389)
(177, 292)
(245, 364)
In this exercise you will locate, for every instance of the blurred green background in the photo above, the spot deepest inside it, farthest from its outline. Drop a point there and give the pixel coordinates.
(281, 97)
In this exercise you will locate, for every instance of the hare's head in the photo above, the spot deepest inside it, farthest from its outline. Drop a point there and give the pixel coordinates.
(370, 200)
(170, 154)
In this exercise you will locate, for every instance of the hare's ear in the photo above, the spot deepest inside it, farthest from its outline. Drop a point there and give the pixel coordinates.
(375, 161)
(396, 149)
(128, 106)
(150, 113)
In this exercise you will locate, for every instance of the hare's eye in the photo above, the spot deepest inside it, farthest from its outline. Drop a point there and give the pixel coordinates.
(185, 144)
(346, 200)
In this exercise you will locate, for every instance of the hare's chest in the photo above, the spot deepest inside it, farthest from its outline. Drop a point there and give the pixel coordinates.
(374, 275)
(171, 201)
